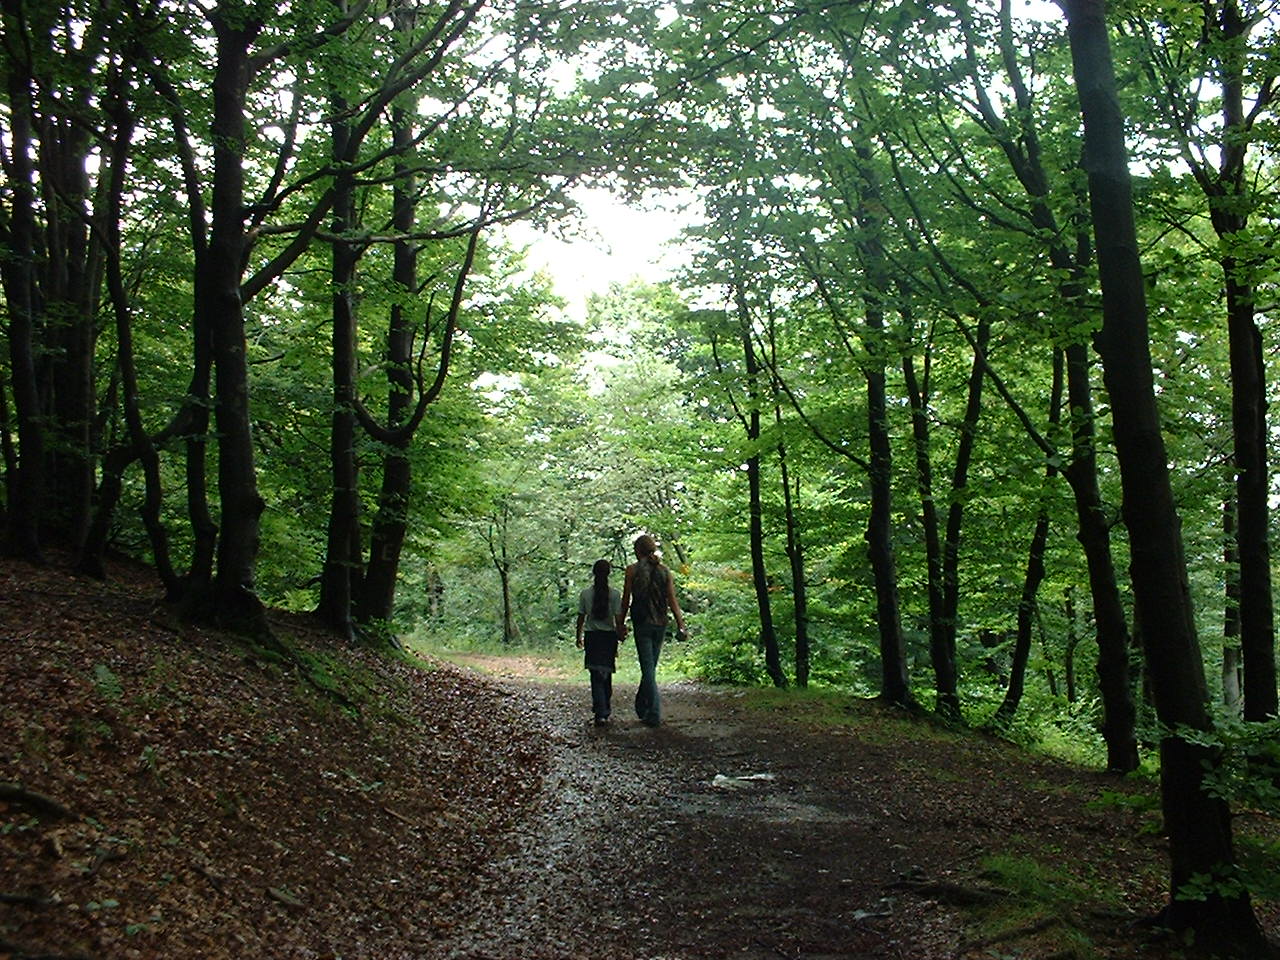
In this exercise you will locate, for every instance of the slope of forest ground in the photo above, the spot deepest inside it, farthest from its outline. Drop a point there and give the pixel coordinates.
(169, 792)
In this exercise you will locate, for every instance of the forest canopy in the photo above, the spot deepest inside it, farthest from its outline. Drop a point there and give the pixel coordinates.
(958, 398)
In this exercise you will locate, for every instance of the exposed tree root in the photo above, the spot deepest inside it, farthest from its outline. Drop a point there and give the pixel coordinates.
(20, 796)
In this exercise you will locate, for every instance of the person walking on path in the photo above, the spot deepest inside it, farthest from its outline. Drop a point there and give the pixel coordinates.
(648, 592)
(598, 609)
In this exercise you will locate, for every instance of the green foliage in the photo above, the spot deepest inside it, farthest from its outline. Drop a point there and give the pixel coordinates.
(1246, 767)
(107, 683)
(731, 659)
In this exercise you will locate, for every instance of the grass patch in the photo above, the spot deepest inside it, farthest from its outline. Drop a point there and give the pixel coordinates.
(1042, 909)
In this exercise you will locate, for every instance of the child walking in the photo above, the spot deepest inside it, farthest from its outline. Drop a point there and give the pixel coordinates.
(598, 609)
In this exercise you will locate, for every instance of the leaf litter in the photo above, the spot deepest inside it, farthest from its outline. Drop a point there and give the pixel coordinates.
(174, 794)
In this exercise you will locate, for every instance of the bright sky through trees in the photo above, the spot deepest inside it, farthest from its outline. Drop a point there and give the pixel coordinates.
(613, 242)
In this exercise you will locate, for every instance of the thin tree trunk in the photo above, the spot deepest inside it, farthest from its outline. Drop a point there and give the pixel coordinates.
(942, 654)
(1034, 574)
(1073, 641)
(1231, 665)
(1228, 211)
(795, 555)
(755, 513)
(1198, 825)
(1094, 533)
(949, 705)
(141, 443)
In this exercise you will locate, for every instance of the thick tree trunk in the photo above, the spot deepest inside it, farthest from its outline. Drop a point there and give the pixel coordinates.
(1198, 824)
(340, 571)
(22, 534)
(70, 281)
(233, 603)
(390, 522)
(895, 687)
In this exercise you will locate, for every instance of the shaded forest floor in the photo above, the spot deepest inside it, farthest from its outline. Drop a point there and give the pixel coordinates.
(167, 792)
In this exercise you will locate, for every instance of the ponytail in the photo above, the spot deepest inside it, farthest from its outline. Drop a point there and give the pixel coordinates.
(600, 591)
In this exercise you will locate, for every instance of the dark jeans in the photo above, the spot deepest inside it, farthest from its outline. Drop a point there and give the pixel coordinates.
(648, 646)
(600, 656)
(601, 692)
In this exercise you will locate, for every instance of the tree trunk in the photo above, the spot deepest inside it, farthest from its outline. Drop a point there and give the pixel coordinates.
(1093, 532)
(70, 282)
(1228, 206)
(233, 601)
(22, 534)
(949, 706)
(893, 653)
(795, 555)
(755, 512)
(1248, 416)
(1231, 665)
(1073, 641)
(895, 686)
(1034, 575)
(140, 442)
(942, 654)
(1198, 825)
(342, 554)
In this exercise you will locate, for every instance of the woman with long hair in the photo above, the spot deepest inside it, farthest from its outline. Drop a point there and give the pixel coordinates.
(598, 608)
(648, 592)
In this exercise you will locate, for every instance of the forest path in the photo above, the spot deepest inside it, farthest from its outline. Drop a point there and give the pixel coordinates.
(731, 831)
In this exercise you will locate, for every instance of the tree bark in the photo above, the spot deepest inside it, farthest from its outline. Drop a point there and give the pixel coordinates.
(22, 533)
(1034, 575)
(343, 552)
(233, 601)
(895, 686)
(1198, 824)
(1227, 195)
(390, 522)
(795, 556)
(755, 512)
(140, 442)
(1094, 533)
(1231, 667)
(942, 655)
(71, 277)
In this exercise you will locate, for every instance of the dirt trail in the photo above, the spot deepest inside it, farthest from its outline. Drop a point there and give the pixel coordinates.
(728, 832)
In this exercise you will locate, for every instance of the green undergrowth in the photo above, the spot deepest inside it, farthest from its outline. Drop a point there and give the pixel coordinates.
(330, 682)
(1035, 904)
